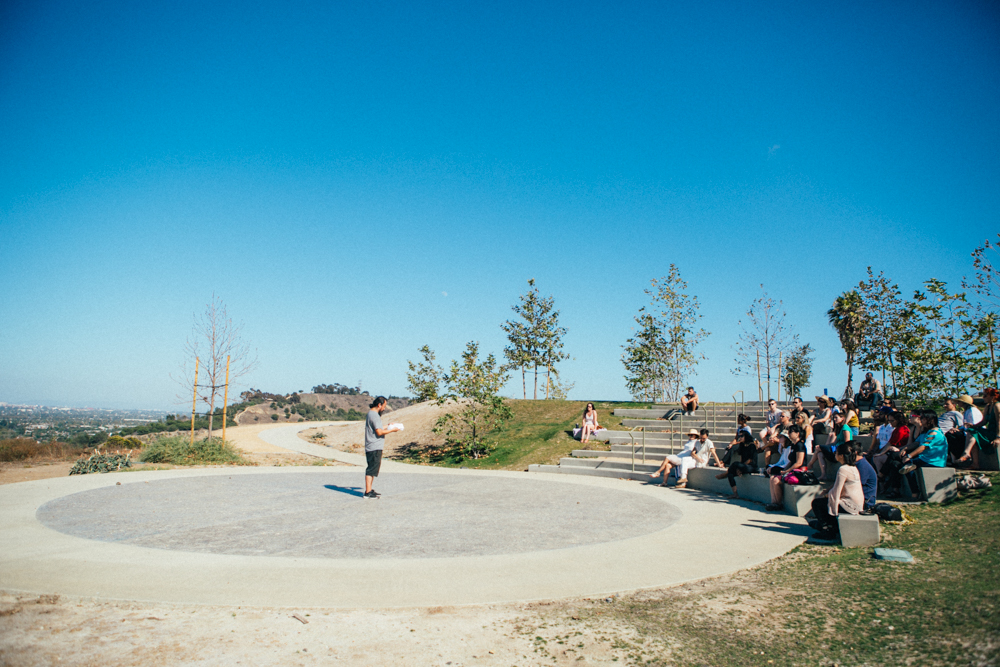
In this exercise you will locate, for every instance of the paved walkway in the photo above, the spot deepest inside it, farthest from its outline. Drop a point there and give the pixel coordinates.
(302, 537)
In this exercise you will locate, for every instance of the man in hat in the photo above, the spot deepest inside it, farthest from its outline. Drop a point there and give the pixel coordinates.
(678, 460)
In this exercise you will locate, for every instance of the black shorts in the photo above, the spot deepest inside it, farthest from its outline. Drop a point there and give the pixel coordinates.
(374, 463)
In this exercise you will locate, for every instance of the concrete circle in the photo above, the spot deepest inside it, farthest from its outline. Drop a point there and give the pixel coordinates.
(324, 516)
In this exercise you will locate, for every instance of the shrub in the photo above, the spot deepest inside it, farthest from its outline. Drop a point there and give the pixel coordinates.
(120, 442)
(22, 449)
(99, 462)
(274, 417)
(179, 451)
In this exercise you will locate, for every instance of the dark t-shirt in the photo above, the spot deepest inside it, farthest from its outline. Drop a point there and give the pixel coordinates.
(795, 413)
(869, 480)
(793, 455)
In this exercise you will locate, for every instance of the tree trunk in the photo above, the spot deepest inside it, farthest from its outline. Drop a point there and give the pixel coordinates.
(535, 395)
(524, 382)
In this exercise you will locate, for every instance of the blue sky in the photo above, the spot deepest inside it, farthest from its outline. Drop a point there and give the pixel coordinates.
(358, 179)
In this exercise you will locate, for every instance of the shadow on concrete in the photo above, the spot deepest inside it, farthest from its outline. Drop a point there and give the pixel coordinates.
(349, 490)
(781, 527)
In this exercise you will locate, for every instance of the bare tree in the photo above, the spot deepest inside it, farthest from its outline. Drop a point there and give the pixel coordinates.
(215, 340)
(765, 334)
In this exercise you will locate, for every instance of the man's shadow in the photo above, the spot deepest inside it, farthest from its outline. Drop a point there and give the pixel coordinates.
(349, 490)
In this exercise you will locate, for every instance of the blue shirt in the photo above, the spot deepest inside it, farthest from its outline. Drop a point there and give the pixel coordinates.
(869, 480)
(936, 454)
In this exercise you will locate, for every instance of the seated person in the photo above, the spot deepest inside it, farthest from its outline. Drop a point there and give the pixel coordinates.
(870, 394)
(846, 495)
(689, 402)
(677, 460)
(742, 426)
(771, 445)
(797, 409)
(931, 450)
(590, 423)
(982, 433)
(897, 442)
(881, 435)
(869, 480)
(793, 459)
(772, 419)
(823, 420)
(952, 424)
(828, 453)
(746, 454)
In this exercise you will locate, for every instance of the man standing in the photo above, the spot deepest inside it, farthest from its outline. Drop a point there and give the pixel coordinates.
(374, 442)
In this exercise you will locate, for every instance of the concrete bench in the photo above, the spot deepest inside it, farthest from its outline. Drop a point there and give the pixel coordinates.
(862, 530)
(936, 485)
(797, 500)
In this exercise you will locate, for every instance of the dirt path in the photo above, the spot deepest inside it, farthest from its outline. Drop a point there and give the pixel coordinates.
(418, 419)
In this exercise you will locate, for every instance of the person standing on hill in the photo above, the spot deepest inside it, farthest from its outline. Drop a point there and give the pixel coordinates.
(374, 443)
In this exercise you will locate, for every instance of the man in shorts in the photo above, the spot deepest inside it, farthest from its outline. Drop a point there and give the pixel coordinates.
(374, 442)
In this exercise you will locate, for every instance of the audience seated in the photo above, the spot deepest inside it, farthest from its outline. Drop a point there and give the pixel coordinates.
(983, 433)
(677, 460)
(745, 449)
(930, 449)
(952, 424)
(689, 402)
(828, 453)
(846, 495)
(870, 394)
(590, 423)
(791, 461)
(823, 419)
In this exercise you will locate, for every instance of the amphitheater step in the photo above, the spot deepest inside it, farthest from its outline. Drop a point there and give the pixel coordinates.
(594, 472)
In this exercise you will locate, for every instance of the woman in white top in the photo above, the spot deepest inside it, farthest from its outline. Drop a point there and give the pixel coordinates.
(696, 454)
(802, 421)
(589, 422)
(846, 495)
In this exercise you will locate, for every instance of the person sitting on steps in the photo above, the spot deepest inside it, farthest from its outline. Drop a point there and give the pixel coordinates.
(694, 455)
(589, 422)
(870, 394)
(793, 460)
(846, 495)
(745, 448)
(689, 402)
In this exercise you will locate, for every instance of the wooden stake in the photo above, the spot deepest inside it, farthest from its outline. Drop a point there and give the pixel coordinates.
(760, 390)
(225, 400)
(194, 401)
(779, 376)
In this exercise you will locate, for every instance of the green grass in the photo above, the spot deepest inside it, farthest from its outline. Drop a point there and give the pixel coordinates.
(834, 606)
(179, 451)
(538, 433)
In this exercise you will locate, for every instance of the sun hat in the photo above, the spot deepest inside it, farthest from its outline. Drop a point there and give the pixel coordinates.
(824, 398)
(965, 398)
(695, 432)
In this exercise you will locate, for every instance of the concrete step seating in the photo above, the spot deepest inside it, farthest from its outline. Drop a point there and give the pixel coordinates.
(936, 484)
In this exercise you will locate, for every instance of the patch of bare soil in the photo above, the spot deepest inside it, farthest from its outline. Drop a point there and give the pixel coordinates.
(22, 471)
(630, 629)
(419, 420)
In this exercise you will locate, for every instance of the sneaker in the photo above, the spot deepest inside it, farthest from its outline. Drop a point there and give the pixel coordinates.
(772, 507)
(825, 536)
(374, 494)
(907, 469)
(814, 524)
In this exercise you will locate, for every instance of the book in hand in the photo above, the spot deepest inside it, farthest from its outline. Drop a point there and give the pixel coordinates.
(396, 427)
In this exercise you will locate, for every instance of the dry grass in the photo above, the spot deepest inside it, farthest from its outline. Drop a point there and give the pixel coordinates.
(27, 449)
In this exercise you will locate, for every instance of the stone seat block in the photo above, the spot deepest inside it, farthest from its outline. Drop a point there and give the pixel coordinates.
(937, 485)
(797, 500)
(861, 530)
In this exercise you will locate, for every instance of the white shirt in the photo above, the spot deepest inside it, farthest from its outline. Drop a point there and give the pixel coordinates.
(704, 450)
(972, 415)
(884, 435)
(689, 447)
(773, 418)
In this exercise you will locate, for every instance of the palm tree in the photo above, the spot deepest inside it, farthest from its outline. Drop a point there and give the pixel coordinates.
(846, 318)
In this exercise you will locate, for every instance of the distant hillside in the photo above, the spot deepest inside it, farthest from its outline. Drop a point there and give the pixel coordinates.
(313, 407)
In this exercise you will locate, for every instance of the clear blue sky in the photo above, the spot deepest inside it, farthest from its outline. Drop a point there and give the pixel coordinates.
(358, 179)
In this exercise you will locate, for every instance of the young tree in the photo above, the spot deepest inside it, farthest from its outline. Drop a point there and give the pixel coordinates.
(798, 369)
(644, 359)
(986, 285)
(474, 387)
(215, 340)
(766, 334)
(847, 318)
(886, 319)
(536, 339)
(678, 320)
(424, 377)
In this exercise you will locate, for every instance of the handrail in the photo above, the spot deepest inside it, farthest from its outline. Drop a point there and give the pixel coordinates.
(631, 435)
(742, 401)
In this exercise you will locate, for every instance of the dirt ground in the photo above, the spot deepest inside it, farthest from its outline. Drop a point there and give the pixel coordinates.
(418, 419)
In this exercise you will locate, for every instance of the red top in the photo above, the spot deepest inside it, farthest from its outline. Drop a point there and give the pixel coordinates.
(899, 437)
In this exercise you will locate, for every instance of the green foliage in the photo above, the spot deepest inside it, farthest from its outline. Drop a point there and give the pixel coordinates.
(120, 442)
(798, 369)
(473, 388)
(644, 359)
(847, 318)
(536, 339)
(886, 323)
(98, 462)
(337, 388)
(424, 377)
(173, 423)
(661, 357)
(274, 417)
(179, 451)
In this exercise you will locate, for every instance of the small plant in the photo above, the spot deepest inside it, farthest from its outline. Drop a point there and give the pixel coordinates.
(179, 451)
(98, 462)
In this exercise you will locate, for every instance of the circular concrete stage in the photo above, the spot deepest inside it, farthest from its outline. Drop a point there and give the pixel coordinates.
(304, 537)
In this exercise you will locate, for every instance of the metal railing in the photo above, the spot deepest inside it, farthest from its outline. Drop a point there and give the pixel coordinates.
(631, 435)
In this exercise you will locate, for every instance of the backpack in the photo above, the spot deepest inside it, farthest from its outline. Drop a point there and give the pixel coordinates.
(887, 512)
